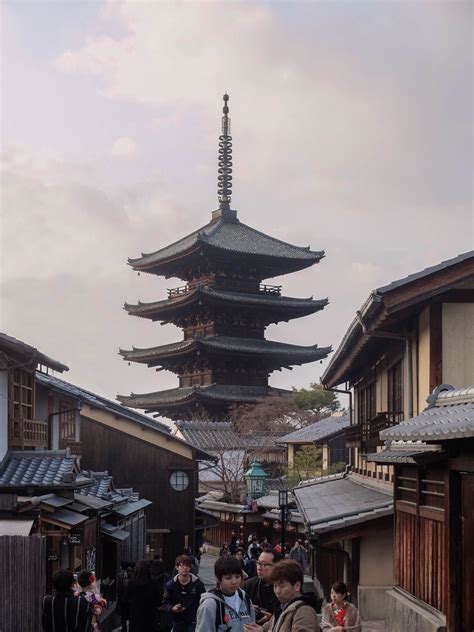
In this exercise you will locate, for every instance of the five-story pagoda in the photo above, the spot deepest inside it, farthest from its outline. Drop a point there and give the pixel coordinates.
(223, 310)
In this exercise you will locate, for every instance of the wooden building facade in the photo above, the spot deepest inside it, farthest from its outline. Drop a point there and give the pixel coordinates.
(434, 517)
(408, 337)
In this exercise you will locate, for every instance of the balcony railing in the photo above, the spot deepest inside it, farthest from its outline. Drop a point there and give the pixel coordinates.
(367, 433)
(241, 287)
(28, 433)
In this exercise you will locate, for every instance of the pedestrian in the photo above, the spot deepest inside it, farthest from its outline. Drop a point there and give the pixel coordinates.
(182, 595)
(233, 543)
(88, 589)
(158, 580)
(63, 611)
(298, 613)
(239, 556)
(225, 551)
(226, 608)
(123, 607)
(299, 554)
(139, 595)
(253, 547)
(340, 615)
(260, 588)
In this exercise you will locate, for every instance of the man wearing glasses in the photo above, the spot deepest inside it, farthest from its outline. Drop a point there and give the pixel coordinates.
(260, 588)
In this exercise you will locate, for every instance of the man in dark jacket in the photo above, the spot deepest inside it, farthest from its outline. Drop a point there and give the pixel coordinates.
(260, 588)
(182, 595)
(62, 611)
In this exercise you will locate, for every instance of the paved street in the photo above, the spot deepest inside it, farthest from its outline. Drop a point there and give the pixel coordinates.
(206, 570)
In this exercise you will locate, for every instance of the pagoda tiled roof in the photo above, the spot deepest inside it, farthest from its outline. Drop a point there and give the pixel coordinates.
(230, 236)
(239, 394)
(298, 306)
(237, 346)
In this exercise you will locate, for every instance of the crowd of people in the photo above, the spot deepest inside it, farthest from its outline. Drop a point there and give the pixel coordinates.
(258, 588)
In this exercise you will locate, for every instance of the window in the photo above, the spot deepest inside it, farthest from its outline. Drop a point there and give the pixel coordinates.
(179, 480)
(23, 394)
(67, 425)
(366, 403)
(395, 393)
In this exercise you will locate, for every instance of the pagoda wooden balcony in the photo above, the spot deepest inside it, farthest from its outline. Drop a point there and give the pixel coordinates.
(27, 433)
(263, 288)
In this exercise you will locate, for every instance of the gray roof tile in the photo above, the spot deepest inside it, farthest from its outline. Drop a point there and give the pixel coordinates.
(337, 501)
(291, 354)
(231, 236)
(12, 345)
(46, 468)
(318, 431)
(218, 435)
(441, 423)
(236, 393)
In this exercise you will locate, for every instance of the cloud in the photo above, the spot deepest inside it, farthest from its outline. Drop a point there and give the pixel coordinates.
(351, 134)
(124, 147)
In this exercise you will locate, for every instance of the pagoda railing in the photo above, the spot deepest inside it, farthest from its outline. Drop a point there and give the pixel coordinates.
(28, 433)
(263, 288)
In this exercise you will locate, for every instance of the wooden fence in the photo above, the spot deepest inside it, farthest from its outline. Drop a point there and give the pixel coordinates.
(22, 582)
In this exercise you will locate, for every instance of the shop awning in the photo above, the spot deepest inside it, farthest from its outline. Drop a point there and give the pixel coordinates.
(64, 518)
(15, 527)
(114, 532)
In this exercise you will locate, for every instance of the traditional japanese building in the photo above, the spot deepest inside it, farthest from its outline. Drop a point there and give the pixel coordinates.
(223, 309)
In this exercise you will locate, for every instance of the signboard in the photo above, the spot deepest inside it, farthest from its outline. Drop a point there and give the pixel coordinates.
(72, 538)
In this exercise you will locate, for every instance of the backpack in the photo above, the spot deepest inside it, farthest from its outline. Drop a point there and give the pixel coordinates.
(220, 607)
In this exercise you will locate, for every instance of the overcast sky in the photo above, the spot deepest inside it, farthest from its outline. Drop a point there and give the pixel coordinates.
(352, 133)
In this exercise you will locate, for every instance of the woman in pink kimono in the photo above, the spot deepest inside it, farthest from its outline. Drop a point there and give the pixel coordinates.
(340, 615)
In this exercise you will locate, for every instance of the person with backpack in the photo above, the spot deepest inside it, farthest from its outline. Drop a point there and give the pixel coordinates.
(298, 610)
(226, 608)
(182, 595)
(63, 611)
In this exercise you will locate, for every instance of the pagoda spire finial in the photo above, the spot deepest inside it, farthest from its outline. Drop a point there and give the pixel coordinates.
(224, 180)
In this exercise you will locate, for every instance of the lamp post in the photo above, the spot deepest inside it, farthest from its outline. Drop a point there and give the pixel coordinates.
(283, 504)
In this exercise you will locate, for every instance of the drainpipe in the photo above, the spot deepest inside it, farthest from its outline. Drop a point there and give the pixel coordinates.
(408, 350)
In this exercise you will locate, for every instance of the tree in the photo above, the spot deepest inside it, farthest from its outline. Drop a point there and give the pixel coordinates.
(316, 399)
(307, 462)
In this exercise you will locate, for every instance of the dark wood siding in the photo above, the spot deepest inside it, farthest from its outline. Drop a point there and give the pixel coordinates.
(147, 468)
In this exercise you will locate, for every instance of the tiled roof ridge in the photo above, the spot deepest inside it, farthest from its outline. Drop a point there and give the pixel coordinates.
(307, 249)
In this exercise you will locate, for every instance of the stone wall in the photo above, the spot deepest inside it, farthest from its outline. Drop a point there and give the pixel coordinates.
(404, 612)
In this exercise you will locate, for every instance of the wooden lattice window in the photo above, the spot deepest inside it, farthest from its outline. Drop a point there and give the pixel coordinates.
(366, 401)
(67, 424)
(432, 488)
(395, 392)
(23, 394)
(407, 484)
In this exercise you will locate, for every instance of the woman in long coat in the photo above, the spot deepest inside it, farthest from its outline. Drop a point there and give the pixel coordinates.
(140, 597)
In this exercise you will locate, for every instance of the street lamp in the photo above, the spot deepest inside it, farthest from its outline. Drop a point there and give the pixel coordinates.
(254, 478)
(283, 505)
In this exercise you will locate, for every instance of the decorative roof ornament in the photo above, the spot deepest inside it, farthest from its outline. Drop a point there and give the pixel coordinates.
(224, 180)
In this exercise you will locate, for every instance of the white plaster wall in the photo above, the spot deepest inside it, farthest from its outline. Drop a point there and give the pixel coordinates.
(3, 413)
(458, 344)
(376, 559)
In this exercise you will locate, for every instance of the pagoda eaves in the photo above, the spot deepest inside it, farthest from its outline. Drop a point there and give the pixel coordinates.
(223, 309)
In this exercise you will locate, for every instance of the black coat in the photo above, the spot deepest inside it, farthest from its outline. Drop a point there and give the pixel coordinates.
(62, 610)
(140, 599)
